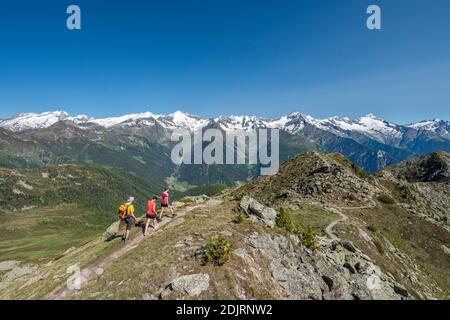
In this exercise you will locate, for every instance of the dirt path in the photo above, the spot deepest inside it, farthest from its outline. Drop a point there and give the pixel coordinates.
(330, 227)
(97, 268)
(342, 218)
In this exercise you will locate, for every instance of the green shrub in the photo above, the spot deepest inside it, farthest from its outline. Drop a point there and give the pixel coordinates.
(345, 162)
(284, 220)
(359, 171)
(406, 193)
(384, 198)
(308, 237)
(218, 250)
(379, 246)
(239, 218)
(372, 227)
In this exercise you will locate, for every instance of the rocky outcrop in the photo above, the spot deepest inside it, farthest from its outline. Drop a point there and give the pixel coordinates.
(350, 274)
(254, 209)
(333, 182)
(191, 285)
(10, 271)
(433, 167)
(8, 265)
(319, 177)
(336, 270)
(111, 232)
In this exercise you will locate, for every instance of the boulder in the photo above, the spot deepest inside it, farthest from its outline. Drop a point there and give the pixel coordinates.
(192, 285)
(112, 231)
(255, 209)
(337, 270)
(17, 272)
(8, 265)
(226, 233)
(241, 253)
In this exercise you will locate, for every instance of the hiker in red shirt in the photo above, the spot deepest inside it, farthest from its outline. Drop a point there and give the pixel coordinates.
(151, 215)
(165, 203)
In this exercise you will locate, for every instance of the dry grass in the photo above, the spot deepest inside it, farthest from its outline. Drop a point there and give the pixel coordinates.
(145, 270)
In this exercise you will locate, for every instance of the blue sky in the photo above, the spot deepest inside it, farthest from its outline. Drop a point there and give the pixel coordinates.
(205, 57)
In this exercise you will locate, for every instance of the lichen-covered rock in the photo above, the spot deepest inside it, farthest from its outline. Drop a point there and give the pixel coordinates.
(337, 270)
(8, 265)
(255, 209)
(192, 285)
(112, 231)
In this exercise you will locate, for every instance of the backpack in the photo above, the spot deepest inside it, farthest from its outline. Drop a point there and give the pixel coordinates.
(123, 211)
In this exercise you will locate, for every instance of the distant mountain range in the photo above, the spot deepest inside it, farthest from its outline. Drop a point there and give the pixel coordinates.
(140, 143)
(369, 125)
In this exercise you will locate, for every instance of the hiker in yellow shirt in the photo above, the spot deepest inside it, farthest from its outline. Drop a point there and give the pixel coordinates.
(126, 215)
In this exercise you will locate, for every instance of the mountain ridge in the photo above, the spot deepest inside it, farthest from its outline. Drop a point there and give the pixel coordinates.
(57, 137)
(30, 120)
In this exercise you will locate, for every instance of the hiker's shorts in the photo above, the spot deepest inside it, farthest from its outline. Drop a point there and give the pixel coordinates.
(129, 223)
(151, 215)
(164, 205)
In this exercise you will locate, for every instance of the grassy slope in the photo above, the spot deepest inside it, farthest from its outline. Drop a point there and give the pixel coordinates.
(412, 236)
(145, 270)
(48, 210)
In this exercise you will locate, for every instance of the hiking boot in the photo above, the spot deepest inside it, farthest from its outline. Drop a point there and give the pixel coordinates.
(158, 219)
(174, 215)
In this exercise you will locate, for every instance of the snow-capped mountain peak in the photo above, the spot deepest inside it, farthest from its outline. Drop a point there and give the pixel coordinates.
(112, 121)
(369, 126)
(181, 120)
(26, 121)
(440, 127)
(426, 124)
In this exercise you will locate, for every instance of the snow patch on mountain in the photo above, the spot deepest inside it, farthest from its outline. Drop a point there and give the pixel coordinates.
(26, 121)
(246, 123)
(369, 125)
(180, 119)
(440, 127)
(112, 121)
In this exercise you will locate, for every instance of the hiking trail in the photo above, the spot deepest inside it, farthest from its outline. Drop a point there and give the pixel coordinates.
(343, 217)
(96, 268)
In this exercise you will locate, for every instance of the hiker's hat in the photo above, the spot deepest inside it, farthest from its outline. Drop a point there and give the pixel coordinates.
(131, 199)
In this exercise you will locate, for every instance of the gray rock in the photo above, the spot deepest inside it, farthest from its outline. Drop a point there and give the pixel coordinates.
(255, 209)
(348, 246)
(193, 284)
(8, 265)
(71, 249)
(300, 282)
(112, 231)
(17, 272)
(226, 233)
(241, 253)
(336, 270)
(400, 290)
